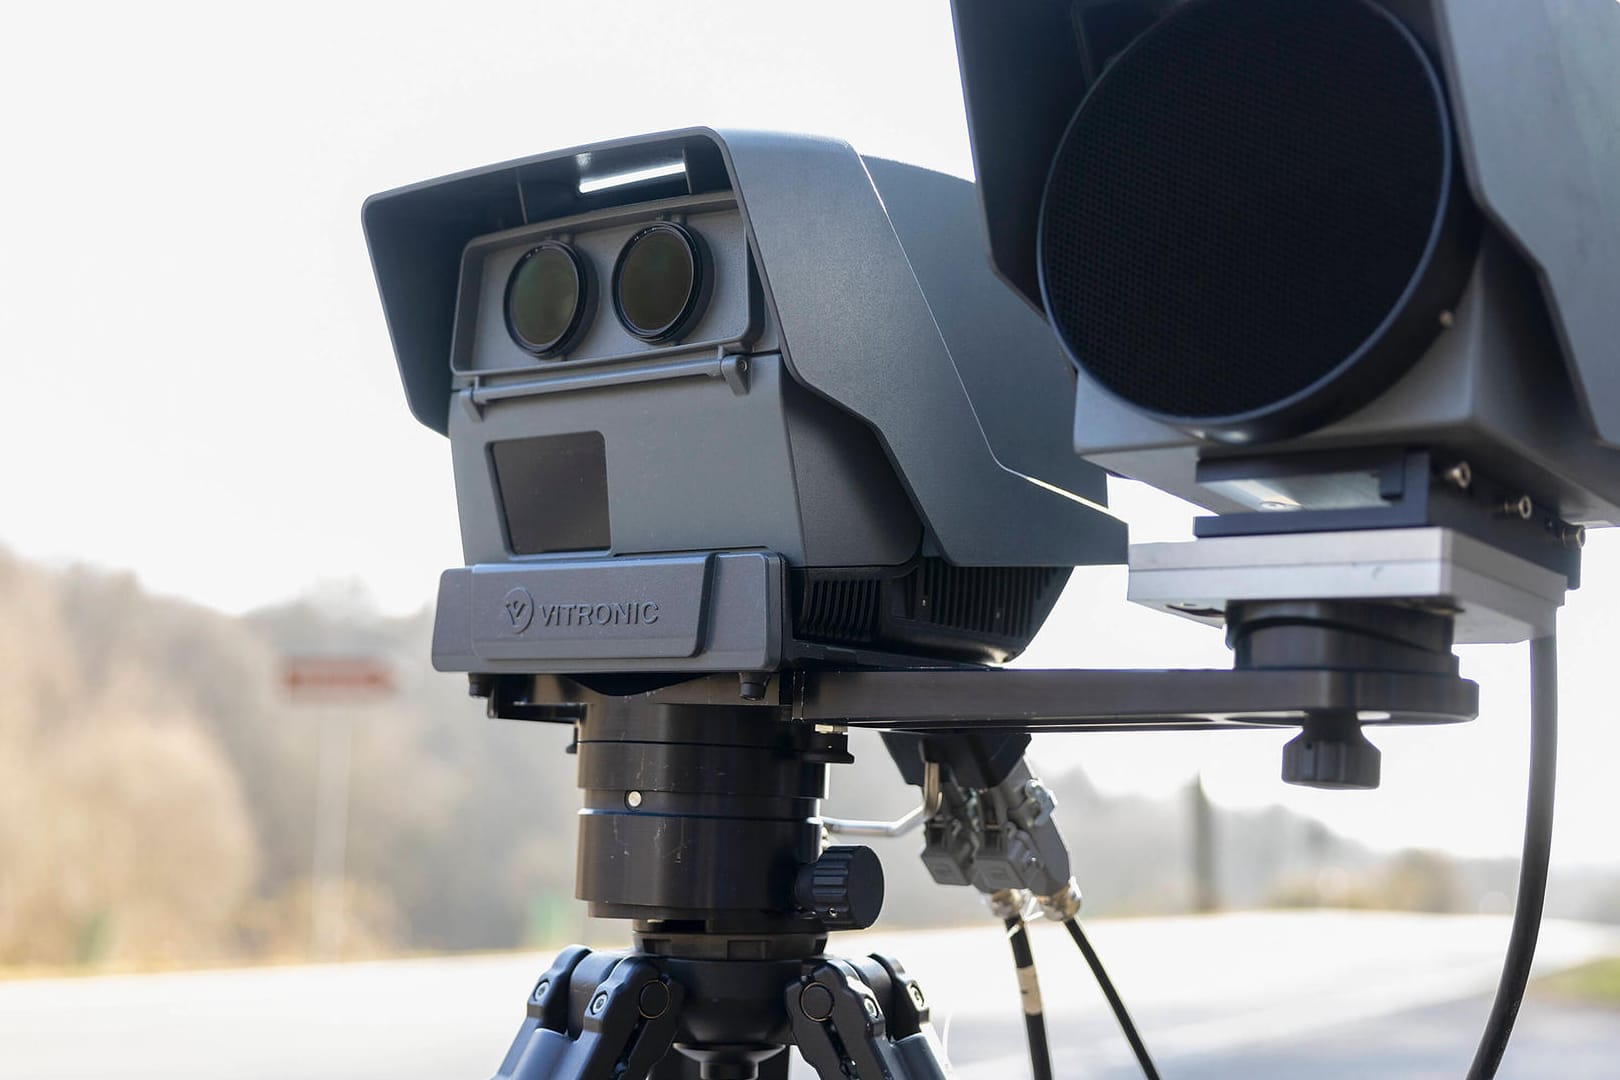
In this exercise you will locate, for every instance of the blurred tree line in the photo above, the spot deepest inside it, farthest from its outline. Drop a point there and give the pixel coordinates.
(157, 787)
(159, 793)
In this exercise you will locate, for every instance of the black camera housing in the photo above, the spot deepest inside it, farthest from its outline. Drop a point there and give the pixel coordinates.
(850, 447)
(1503, 354)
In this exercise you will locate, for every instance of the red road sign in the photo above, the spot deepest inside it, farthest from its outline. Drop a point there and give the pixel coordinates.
(337, 678)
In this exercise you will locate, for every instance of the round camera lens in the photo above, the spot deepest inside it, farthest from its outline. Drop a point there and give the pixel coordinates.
(545, 298)
(658, 282)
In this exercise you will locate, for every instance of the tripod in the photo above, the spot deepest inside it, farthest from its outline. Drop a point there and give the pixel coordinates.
(699, 826)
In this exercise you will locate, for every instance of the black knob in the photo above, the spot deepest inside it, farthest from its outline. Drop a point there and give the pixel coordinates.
(844, 888)
(1332, 753)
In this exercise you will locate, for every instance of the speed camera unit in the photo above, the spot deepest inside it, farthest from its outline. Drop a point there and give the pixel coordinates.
(729, 402)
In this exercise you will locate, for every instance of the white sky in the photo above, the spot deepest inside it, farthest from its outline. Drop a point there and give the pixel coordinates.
(202, 389)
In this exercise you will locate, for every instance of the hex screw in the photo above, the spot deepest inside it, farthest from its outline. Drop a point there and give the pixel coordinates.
(917, 998)
(1520, 508)
(1460, 476)
(541, 987)
(598, 1003)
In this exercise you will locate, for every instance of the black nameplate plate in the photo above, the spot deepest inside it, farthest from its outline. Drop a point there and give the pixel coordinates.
(643, 608)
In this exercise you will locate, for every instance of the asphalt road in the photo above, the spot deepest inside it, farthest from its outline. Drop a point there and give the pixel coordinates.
(1259, 996)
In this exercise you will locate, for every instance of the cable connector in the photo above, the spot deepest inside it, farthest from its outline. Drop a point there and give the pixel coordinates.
(1007, 903)
(1064, 904)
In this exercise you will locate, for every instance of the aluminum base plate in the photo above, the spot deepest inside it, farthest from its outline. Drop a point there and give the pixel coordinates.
(1497, 597)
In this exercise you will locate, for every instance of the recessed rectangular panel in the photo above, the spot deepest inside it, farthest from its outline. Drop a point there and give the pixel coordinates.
(553, 492)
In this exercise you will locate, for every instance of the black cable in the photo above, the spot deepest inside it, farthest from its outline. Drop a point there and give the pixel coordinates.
(1029, 993)
(1114, 1002)
(1538, 824)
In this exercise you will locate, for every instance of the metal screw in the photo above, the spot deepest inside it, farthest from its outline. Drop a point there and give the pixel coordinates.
(871, 1008)
(1520, 508)
(632, 799)
(1461, 475)
(1447, 319)
(1572, 536)
(917, 998)
(598, 1003)
(541, 987)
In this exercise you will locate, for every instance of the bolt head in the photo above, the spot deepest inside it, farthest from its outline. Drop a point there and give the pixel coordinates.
(632, 799)
(653, 1000)
(598, 1004)
(541, 987)
(917, 998)
(816, 1001)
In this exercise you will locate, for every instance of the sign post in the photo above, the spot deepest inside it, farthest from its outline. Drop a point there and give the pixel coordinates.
(339, 683)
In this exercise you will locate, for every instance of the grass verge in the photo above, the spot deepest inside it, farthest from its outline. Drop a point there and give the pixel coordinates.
(1597, 983)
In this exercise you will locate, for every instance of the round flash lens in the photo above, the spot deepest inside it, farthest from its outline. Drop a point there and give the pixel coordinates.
(545, 298)
(658, 282)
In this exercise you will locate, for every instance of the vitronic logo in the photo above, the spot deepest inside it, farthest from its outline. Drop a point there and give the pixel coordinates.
(631, 613)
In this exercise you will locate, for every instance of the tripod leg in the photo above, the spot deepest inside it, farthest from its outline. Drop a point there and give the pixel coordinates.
(841, 1025)
(909, 1022)
(628, 1022)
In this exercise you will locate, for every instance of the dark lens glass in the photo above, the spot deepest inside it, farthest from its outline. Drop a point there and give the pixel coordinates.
(544, 298)
(657, 282)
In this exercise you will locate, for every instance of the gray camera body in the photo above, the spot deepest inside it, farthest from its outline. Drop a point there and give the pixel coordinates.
(856, 452)
(1514, 371)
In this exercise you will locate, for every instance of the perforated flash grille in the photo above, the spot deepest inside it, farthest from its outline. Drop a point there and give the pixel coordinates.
(1241, 201)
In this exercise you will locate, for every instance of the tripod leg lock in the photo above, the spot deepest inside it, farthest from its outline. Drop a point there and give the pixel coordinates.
(867, 1019)
(622, 1028)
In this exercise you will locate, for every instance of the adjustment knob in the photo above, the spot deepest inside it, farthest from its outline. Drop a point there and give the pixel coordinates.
(844, 888)
(1332, 754)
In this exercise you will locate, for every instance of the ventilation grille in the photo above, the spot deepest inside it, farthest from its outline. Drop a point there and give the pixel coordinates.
(1002, 602)
(933, 609)
(843, 611)
(1243, 204)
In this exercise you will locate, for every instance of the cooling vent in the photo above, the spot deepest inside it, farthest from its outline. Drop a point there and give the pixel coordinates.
(977, 614)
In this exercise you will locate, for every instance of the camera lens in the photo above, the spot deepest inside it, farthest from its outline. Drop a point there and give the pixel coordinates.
(658, 282)
(545, 298)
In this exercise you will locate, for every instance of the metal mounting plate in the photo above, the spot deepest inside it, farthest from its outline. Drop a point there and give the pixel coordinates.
(1497, 597)
(1052, 700)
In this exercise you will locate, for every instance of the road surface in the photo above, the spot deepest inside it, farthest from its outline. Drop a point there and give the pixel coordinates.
(1262, 996)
